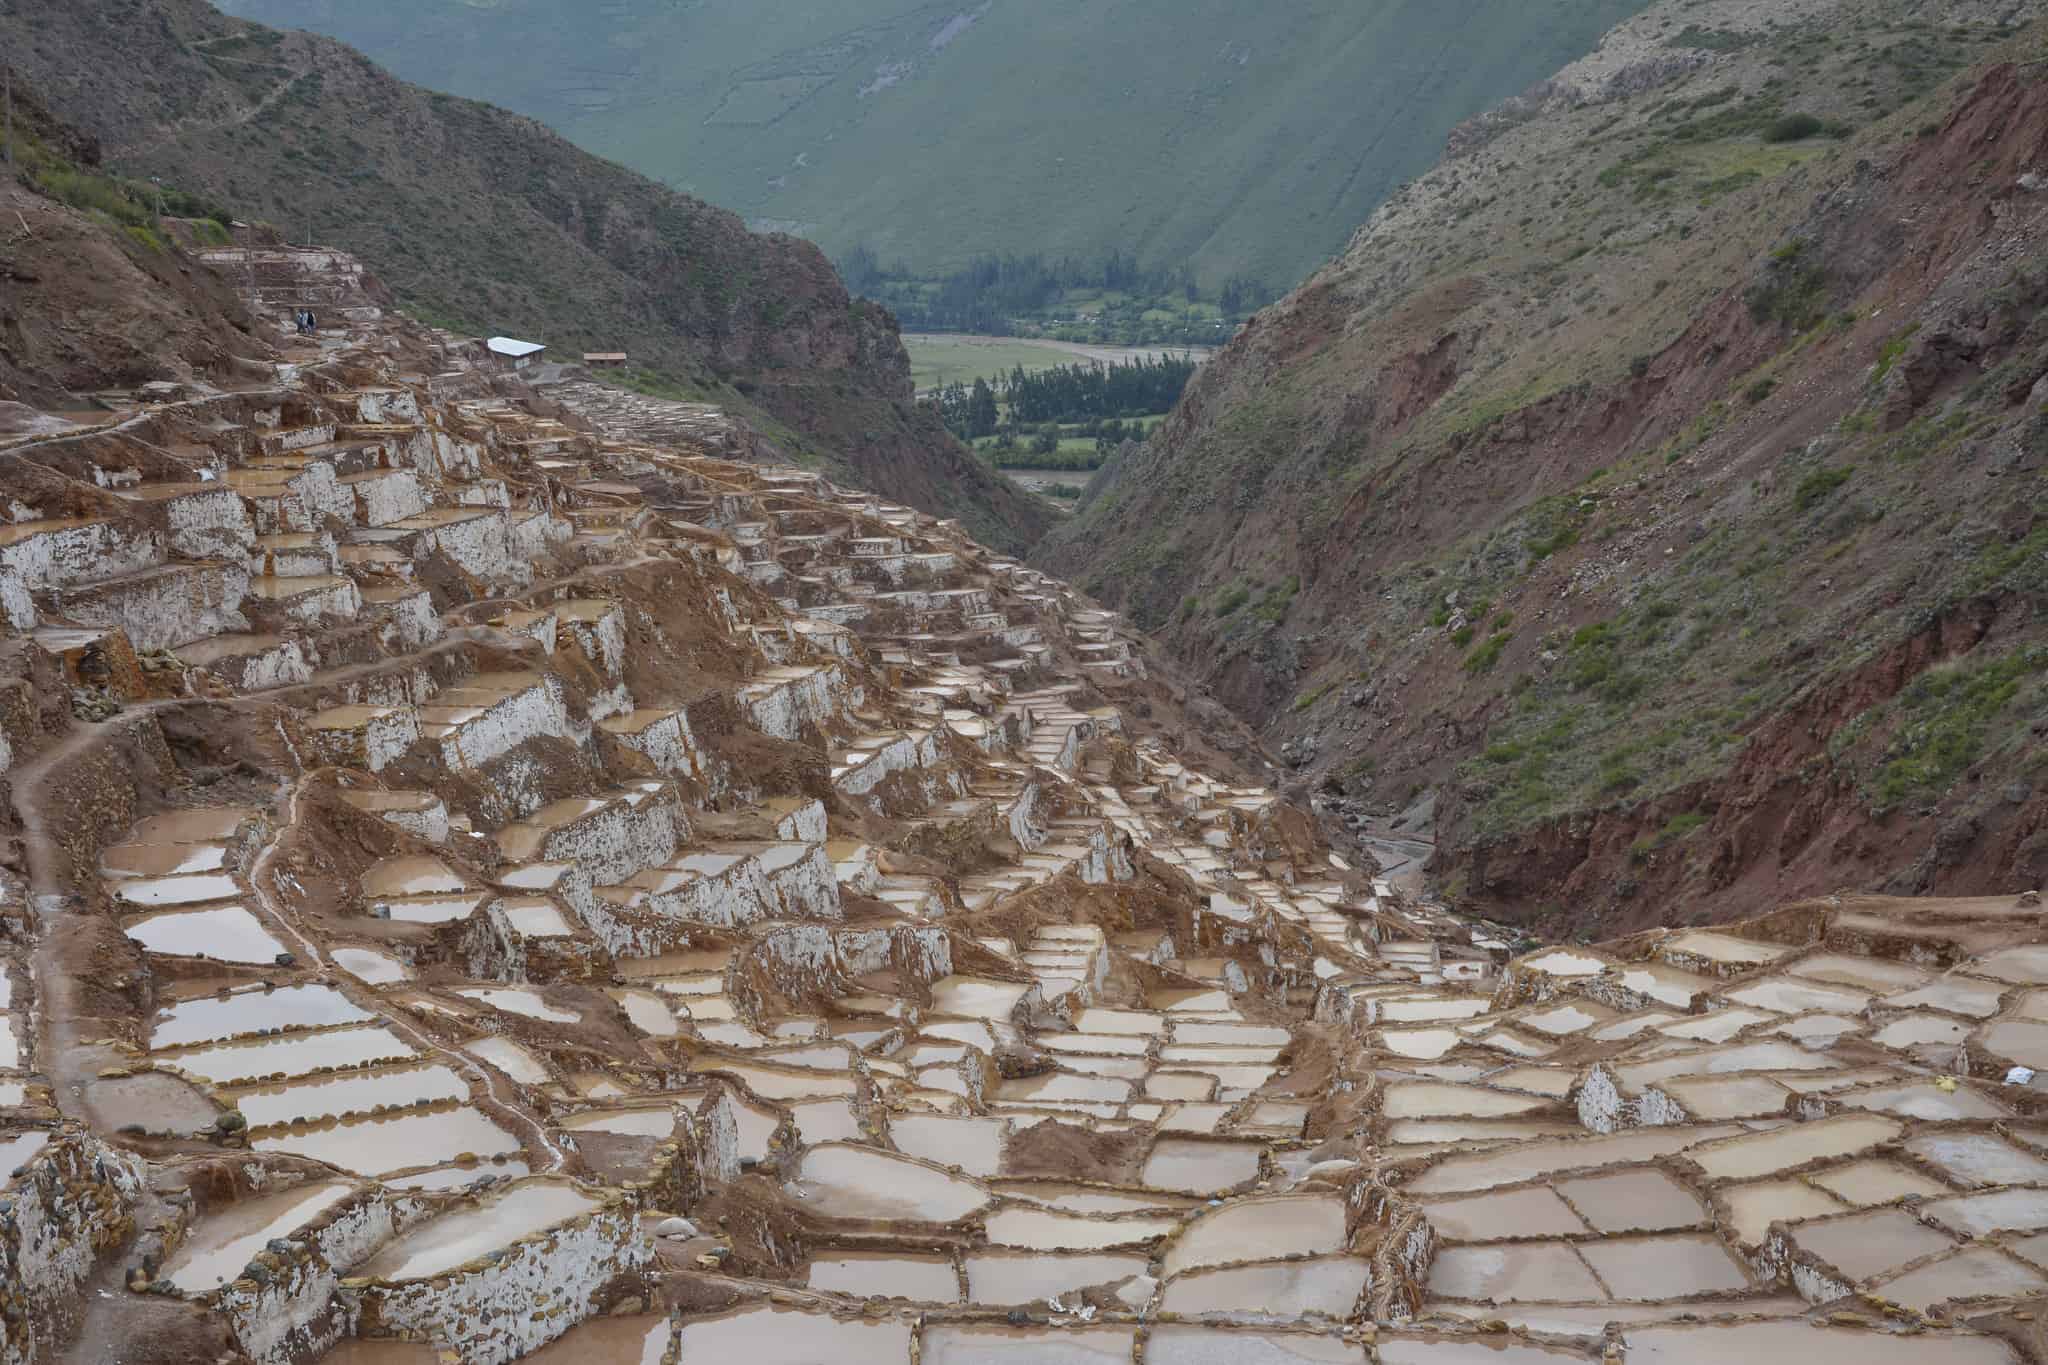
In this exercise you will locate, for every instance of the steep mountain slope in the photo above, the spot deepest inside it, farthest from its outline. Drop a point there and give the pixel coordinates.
(490, 222)
(1655, 488)
(88, 302)
(1235, 136)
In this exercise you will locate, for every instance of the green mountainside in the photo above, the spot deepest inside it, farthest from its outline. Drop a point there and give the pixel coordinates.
(1239, 138)
(488, 222)
(1653, 498)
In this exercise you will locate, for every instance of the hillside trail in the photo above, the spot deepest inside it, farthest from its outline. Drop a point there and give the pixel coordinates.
(62, 1052)
(247, 116)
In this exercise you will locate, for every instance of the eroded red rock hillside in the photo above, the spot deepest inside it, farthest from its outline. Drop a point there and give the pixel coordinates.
(1646, 507)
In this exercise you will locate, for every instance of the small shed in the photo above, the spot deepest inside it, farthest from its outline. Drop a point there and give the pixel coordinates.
(515, 355)
(605, 360)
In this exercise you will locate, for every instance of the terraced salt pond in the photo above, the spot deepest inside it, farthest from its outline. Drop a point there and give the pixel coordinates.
(975, 1145)
(230, 934)
(164, 891)
(18, 1150)
(1047, 1230)
(887, 1276)
(971, 999)
(654, 1122)
(325, 1097)
(509, 1057)
(523, 1002)
(842, 1181)
(380, 1146)
(768, 1335)
(370, 967)
(432, 909)
(963, 1345)
(456, 1238)
(635, 1340)
(163, 860)
(294, 1055)
(1325, 1288)
(1195, 1167)
(220, 1247)
(210, 1018)
(191, 826)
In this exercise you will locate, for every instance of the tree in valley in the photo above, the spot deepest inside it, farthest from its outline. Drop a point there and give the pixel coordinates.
(981, 411)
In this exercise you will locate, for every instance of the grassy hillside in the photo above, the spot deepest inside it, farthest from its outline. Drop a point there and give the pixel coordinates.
(488, 222)
(1659, 482)
(1239, 137)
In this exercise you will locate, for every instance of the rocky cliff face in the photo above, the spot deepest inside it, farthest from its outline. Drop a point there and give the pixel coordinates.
(1656, 482)
(490, 223)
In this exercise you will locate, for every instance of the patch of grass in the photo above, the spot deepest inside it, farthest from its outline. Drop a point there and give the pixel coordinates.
(1231, 600)
(1793, 288)
(1891, 352)
(1746, 119)
(1555, 523)
(1711, 39)
(1483, 659)
(1311, 697)
(147, 239)
(1596, 664)
(126, 203)
(1542, 547)
(89, 193)
(1944, 719)
(1794, 128)
(1759, 391)
(1818, 486)
(2021, 564)
(1677, 829)
(1274, 602)
(1711, 190)
(652, 383)
(937, 360)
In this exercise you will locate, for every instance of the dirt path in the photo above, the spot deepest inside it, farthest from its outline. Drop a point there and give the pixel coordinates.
(61, 1053)
(292, 77)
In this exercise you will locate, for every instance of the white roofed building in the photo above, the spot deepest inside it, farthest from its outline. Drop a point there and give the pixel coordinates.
(513, 354)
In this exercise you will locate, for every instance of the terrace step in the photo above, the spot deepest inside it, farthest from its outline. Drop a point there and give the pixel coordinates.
(250, 662)
(309, 601)
(294, 554)
(68, 552)
(159, 608)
